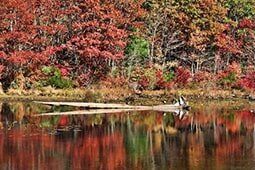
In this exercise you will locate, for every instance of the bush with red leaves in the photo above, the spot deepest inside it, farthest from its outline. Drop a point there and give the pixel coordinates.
(247, 23)
(201, 76)
(84, 79)
(230, 75)
(248, 81)
(182, 76)
(162, 82)
(144, 82)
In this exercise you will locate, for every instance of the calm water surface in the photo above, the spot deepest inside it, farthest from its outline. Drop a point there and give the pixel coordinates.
(211, 136)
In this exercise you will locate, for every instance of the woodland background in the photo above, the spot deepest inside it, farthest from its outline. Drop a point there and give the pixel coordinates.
(156, 44)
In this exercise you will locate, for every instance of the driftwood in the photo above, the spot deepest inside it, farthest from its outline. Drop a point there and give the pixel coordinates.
(111, 106)
(180, 104)
(101, 108)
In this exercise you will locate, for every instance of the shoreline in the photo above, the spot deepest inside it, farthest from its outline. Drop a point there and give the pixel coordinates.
(122, 95)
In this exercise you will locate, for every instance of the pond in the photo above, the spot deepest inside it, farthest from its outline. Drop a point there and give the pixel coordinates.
(214, 135)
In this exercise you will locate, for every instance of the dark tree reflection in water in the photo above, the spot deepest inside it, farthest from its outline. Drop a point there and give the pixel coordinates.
(211, 136)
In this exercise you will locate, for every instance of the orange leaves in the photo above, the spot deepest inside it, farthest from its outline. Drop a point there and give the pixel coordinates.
(228, 44)
(182, 76)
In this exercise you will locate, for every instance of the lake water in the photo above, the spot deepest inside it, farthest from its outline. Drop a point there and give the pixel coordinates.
(215, 135)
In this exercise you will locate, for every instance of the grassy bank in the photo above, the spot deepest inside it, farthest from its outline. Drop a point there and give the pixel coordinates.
(123, 95)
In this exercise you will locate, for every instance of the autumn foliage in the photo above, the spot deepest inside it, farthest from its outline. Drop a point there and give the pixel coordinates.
(181, 41)
(84, 36)
(248, 81)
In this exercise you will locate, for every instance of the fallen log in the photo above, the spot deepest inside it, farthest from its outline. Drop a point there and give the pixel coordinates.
(179, 108)
(180, 104)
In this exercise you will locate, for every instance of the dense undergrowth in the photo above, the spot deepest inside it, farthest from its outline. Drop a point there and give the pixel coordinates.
(143, 82)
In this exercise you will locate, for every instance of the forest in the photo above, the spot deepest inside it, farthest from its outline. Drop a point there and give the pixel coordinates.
(154, 44)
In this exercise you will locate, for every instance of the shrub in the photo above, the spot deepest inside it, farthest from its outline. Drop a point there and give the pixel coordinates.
(182, 76)
(164, 80)
(229, 77)
(138, 48)
(47, 70)
(248, 81)
(144, 82)
(169, 75)
(151, 77)
(55, 78)
(59, 82)
(201, 77)
(145, 76)
(84, 79)
(114, 81)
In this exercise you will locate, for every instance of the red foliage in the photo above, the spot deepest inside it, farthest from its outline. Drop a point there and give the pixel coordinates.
(201, 76)
(102, 32)
(161, 82)
(35, 33)
(2, 55)
(182, 76)
(30, 32)
(84, 79)
(64, 71)
(160, 79)
(233, 68)
(237, 41)
(26, 58)
(248, 81)
(247, 23)
(144, 82)
(228, 44)
(63, 120)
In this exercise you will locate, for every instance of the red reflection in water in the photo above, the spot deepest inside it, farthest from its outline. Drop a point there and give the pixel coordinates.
(22, 150)
(140, 140)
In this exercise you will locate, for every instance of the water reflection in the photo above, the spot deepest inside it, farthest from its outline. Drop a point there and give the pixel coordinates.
(212, 136)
